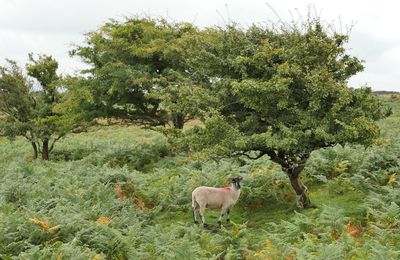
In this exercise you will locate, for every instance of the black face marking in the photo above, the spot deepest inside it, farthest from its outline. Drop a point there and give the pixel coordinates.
(236, 181)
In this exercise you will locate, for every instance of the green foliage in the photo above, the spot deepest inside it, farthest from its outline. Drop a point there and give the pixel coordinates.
(117, 150)
(76, 102)
(139, 72)
(16, 100)
(284, 90)
(44, 70)
(29, 111)
(52, 209)
(333, 162)
(265, 184)
(85, 206)
(281, 91)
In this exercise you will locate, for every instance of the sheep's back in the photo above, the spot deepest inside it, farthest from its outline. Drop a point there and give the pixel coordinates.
(213, 197)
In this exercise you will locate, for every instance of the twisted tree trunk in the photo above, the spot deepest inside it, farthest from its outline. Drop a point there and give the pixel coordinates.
(35, 150)
(45, 150)
(179, 120)
(303, 201)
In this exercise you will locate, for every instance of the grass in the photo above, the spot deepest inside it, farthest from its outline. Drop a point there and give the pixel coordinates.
(349, 202)
(123, 136)
(80, 194)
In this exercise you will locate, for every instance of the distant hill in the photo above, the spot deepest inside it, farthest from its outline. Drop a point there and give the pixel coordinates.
(384, 92)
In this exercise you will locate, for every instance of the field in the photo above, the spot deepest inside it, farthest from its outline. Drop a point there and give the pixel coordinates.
(118, 192)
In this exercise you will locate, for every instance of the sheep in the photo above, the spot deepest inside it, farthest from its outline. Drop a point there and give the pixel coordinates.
(213, 198)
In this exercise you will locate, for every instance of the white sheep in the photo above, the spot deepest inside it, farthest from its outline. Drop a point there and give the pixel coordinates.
(214, 198)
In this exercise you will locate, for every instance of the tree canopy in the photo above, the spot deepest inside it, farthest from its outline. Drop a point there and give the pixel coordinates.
(138, 71)
(282, 92)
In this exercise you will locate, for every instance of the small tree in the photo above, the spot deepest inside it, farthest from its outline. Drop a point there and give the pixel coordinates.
(30, 111)
(16, 103)
(283, 93)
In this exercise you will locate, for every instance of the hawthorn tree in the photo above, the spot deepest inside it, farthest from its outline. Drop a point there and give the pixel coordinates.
(138, 71)
(30, 109)
(283, 93)
(16, 103)
(46, 122)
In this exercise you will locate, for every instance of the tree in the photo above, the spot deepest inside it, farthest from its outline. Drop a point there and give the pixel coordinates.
(138, 72)
(31, 111)
(44, 70)
(16, 103)
(282, 92)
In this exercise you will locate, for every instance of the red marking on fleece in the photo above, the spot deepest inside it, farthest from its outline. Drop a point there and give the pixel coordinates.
(225, 189)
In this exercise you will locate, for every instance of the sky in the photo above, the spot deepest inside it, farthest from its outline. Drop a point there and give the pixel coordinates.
(53, 26)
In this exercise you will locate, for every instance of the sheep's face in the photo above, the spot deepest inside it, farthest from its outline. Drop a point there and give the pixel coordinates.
(235, 181)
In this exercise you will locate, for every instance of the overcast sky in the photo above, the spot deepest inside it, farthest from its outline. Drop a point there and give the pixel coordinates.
(51, 26)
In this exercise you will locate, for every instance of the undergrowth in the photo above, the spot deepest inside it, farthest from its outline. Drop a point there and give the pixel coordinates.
(120, 193)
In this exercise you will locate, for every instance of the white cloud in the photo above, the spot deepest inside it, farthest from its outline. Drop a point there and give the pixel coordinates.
(48, 26)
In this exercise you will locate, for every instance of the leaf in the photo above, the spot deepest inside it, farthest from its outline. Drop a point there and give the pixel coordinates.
(45, 225)
(54, 228)
(139, 203)
(235, 230)
(97, 257)
(120, 193)
(392, 179)
(352, 230)
(321, 178)
(103, 220)
(52, 240)
(335, 235)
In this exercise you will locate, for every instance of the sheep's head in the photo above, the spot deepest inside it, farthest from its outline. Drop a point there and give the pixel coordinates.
(235, 181)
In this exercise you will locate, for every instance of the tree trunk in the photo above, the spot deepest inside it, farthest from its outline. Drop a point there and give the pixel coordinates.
(179, 120)
(301, 190)
(35, 150)
(45, 150)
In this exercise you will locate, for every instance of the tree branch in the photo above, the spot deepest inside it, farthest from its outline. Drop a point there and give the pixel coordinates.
(261, 154)
(54, 141)
(39, 147)
(276, 158)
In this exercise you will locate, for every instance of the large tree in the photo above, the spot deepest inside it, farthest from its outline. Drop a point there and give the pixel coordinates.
(29, 104)
(283, 93)
(137, 71)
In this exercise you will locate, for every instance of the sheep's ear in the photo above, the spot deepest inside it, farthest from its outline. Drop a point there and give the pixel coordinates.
(229, 179)
(240, 178)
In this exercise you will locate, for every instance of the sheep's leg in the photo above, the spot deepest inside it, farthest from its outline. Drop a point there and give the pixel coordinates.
(227, 215)
(223, 210)
(195, 208)
(195, 215)
(203, 221)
